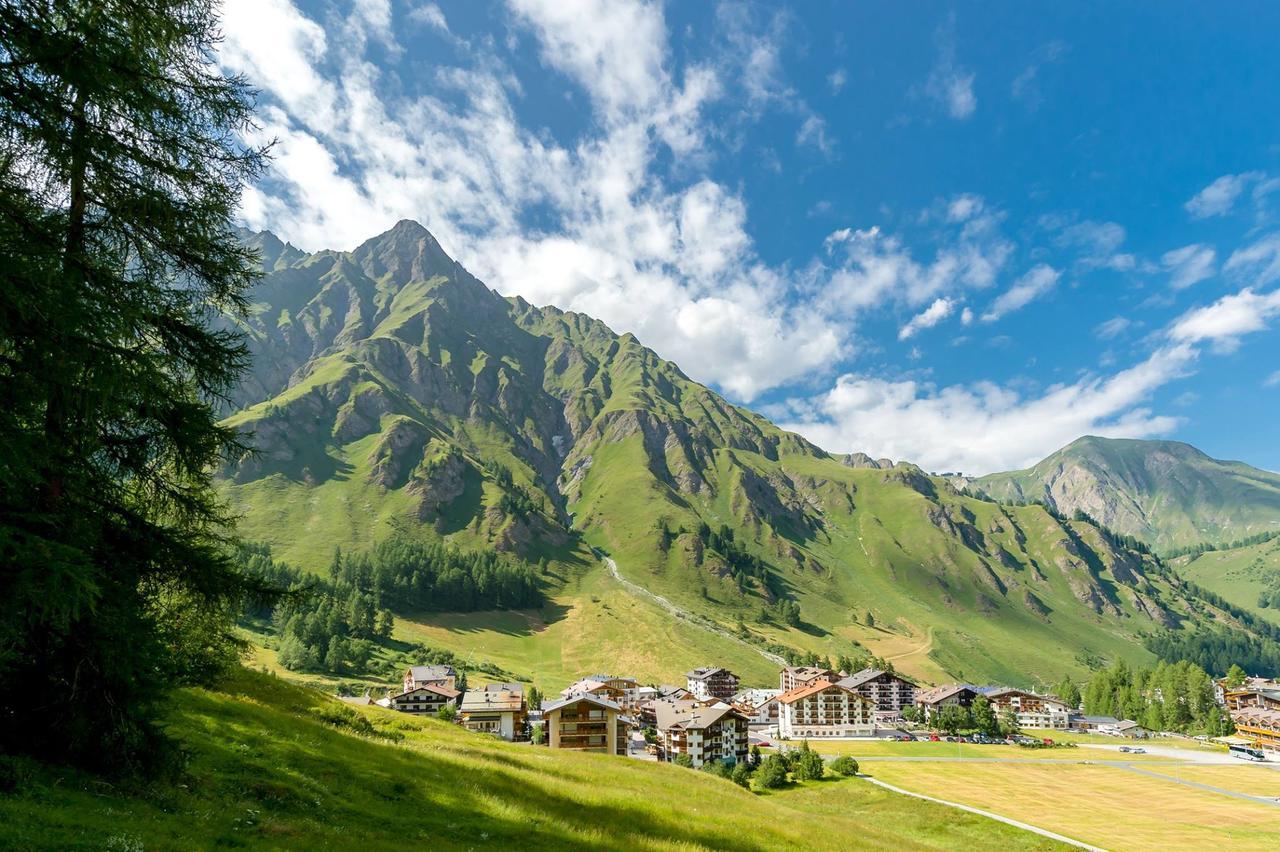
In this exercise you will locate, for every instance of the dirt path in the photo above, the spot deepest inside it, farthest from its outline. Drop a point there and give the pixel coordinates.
(988, 814)
(925, 647)
(684, 615)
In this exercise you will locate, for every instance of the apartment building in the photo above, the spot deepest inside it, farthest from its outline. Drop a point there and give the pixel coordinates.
(712, 682)
(824, 709)
(585, 722)
(704, 732)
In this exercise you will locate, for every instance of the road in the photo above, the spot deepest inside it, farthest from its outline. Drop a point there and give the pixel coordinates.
(684, 615)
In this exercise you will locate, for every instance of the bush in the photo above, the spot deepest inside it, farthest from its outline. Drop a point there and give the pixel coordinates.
(683, 760)
(447, 713)
(809, 766)
(741, 775)
(773, 772)
(716, 768)
(344, 717)
(844, 766)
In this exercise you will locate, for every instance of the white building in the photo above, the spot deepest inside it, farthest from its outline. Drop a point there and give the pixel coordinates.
(824, 709)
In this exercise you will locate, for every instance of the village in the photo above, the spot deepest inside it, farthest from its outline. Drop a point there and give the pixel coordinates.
(711, 718)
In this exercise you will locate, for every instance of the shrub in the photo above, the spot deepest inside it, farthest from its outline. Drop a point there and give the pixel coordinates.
(683, 760)
(844, 766)
(344, 717)
(716, 768)
(742, 775)
(809, 766)
(447, 713)
(773, 772)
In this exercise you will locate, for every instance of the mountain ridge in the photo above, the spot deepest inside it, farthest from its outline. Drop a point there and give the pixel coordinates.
(394, 393)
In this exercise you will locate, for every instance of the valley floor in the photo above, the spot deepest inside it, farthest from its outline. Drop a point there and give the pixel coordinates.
(274, 765)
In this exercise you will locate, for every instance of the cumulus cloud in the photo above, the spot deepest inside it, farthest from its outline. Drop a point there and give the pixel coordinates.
(664, 257)
(1259, 261)
(985, 427)
(1219, 197)
(836, 80)
(1096, 244)
(928, 318)
(1037, 281)
(1227, 320)
(429, 15)
(1189, 265)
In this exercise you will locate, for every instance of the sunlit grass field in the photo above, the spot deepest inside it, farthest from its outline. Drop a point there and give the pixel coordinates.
(267, 772)
(1103, 805)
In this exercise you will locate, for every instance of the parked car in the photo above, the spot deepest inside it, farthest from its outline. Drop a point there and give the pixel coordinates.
(1125, 749)
(1138, 751)
(933, 738)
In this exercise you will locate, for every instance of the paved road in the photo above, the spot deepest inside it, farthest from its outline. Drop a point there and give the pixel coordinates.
(682, 614)
(1265, 800)
(1187, 755)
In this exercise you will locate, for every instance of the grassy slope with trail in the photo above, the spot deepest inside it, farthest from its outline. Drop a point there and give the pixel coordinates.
(1238, 574)
(265, 771)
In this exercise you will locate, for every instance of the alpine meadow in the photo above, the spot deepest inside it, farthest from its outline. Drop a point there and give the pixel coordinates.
(633, 425)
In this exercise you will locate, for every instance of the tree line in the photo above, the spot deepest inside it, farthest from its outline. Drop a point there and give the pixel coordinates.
(1197, 549)
(1166, 697)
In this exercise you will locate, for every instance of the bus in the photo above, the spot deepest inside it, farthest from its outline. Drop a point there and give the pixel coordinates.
(1246, 752)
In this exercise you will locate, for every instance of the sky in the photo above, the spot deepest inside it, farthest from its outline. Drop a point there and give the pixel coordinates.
(961, 235)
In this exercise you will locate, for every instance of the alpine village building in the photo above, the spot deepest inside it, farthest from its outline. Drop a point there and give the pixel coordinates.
(705, 732)
(495, 708)
(711, 682)
(442, 675)
(824, 709)
(585, 722)
(888, 692)
(428, 698)
(1255, 710)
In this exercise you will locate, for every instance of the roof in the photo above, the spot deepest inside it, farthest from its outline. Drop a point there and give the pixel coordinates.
(755, 697)
(691, 715)
(439, 672)
(807, 689)
(667, 689)
(1001, 691)
(436, 688)
(493, 696)
(942, 693)
(548, 706)
(1098, 720)
(859, 678)
(587, 684)
(706, 672)
(808, 672)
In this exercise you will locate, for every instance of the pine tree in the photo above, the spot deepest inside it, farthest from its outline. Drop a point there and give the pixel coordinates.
(120, 172)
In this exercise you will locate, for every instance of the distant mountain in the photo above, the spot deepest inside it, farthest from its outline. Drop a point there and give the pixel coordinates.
(1166, 493)
(393, 393)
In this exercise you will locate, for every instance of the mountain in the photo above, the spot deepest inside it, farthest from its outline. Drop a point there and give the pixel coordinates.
(1166, 493)
(393, 394)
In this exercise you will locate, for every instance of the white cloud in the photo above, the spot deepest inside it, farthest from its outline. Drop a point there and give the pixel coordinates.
(1260, 261)
(928, 318)
(429, 15)
(1112, 327)
(836, 80)
(1219, 197)
(1097, 245)
(966, 317)
(1272, 380)
(1227, 320)
(1189, 265)
(1026, 86)
(668, 259)
(950, 84)
(1036, 282)
(985, 427)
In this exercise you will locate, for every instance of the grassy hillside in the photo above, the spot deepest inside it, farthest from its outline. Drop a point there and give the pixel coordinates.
(393, 393)
(269, 769)
(1239, 574)
(1166, 493)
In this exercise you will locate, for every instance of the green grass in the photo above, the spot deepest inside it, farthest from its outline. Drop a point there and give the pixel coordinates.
(1103, 805)
(1239, 574)
(267, 772)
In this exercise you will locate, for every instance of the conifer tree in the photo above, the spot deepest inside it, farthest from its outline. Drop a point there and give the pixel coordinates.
(120, 171)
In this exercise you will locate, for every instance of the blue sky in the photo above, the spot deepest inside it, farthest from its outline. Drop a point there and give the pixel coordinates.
(962, 235)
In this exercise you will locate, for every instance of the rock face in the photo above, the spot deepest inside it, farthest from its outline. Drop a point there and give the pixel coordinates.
(392, 391)
(1166, 493)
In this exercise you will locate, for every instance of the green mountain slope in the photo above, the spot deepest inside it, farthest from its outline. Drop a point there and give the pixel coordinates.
(1166, 493)
(393, 393)
(1244, 576)
(274, 766)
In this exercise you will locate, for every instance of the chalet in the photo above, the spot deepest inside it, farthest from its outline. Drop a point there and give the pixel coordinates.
(889, 693)
(429, 698)
(711, 682)
(1033, 711)
(623, 691)
(496, 708)
(792, 676)
(585, 722)
(1255, 710)
(1258, 725)
(441, 675)
(1220, 688)
(703, 732)
(1108, 726)
(760, 706)
(824, 709)
(933, 700)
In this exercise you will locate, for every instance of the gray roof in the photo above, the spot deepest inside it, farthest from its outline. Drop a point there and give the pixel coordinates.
(548, 706)
(706, 672)
(439, 672)
(859, 678)
(691, 714)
